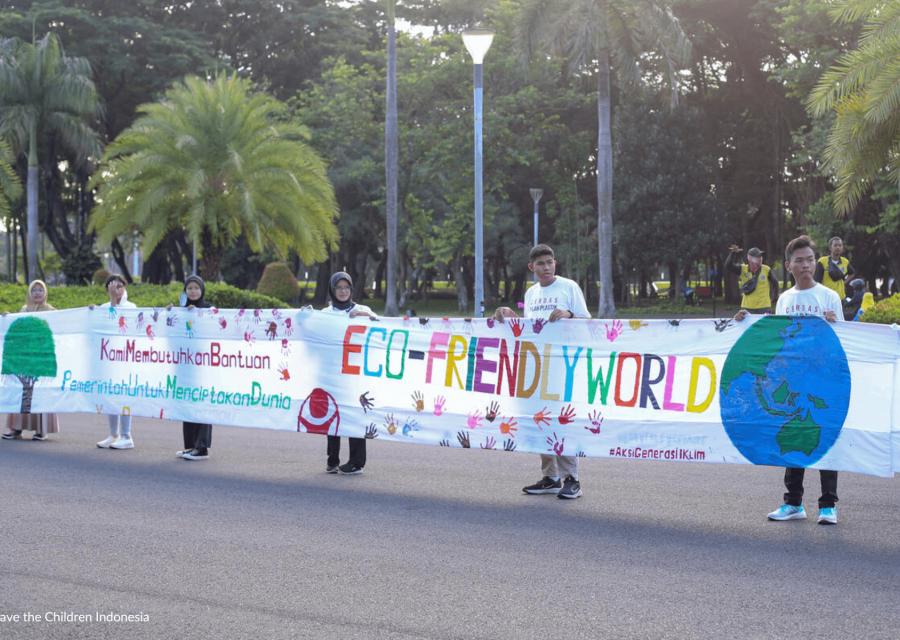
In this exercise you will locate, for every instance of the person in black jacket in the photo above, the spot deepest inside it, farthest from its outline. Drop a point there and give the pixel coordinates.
(197, 436)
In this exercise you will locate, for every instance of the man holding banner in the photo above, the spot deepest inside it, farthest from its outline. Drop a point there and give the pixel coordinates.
(806, 298)
(552, 298)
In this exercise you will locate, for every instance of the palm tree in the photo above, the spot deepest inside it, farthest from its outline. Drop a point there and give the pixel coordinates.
(594, 35)
(219, 160)
(390, 163)
(863, 89)
(10, 187)
(45, 92)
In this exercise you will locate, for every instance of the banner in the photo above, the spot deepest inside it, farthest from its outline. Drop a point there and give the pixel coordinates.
(771, 390)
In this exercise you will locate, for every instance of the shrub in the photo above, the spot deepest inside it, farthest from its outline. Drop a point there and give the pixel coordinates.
(12, 296)
(885, 312)
(279, 282)
(81, 264)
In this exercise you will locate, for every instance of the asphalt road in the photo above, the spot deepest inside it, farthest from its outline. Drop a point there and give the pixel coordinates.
(430, 542)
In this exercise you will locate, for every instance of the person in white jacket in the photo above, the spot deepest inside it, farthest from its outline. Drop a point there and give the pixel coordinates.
(340, 292)
(119, 425)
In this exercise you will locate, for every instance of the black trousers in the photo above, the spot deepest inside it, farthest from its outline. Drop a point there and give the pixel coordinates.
(357, 451)
(196, 435)
(793, 482)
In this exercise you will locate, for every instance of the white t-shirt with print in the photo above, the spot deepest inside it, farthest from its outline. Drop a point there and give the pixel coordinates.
(814, 301)
(562, 294)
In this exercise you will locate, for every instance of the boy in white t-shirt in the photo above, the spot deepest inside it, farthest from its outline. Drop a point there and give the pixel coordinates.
(552, 298)
(806, 298)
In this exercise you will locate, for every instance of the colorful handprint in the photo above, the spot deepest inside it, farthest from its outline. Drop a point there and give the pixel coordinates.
(439, 404)
(508, 427)
(542, 418)
(614, 330)
(492, 410)
(557, 446)
(366, 402)
(566, 415)
(596, 421)
(418, 401)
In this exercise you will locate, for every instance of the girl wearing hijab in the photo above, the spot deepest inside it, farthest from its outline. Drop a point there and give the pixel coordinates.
(340, 290)
(197, 436)
(119, 426)
(40, 423)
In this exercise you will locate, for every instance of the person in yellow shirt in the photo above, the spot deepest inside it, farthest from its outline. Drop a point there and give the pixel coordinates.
(759, 286)
(834, 270)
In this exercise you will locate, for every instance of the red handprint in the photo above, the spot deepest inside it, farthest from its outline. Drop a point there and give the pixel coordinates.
(566, 415)
(517, 326)
(123, 326)
(596, 421)
(223, 323)
(288, 327)
(149, 331)
(542, 417)
(557, 446)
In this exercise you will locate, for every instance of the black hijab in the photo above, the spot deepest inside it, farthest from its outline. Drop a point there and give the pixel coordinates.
(201, 302)
(335, 304)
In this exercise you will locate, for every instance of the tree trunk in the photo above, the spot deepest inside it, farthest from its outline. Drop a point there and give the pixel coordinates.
(121, 259)
(212, 257)
(31, 222)
(27, 392)
(462, 291)
(606, 307)
(391, 154)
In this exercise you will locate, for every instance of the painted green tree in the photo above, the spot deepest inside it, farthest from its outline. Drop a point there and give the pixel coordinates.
(29, 353)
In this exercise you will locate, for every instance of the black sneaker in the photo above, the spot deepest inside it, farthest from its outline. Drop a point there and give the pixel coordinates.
(571, 489)
(331, 468)
(350, 469)
(545, 485)
(196, 454)
(40, 437)
(12, 435)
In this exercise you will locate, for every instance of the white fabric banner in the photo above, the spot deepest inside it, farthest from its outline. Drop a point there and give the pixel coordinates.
(769, 390)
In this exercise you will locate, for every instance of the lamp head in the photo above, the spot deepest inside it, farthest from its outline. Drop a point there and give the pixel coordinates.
(477, 42)
(536, 194)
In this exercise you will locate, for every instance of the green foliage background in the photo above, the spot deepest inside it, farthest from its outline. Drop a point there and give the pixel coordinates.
(224, 296)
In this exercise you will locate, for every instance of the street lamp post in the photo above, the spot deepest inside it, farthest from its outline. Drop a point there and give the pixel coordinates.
(536, 195)
(477, 42)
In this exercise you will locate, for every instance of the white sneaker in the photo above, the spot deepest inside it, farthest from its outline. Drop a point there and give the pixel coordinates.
(180, 454)
(122, 443)
(104, 444)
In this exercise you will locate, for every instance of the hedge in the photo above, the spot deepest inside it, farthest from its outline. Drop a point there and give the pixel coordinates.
(885, 312)
(279, 282)
(12, 296)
